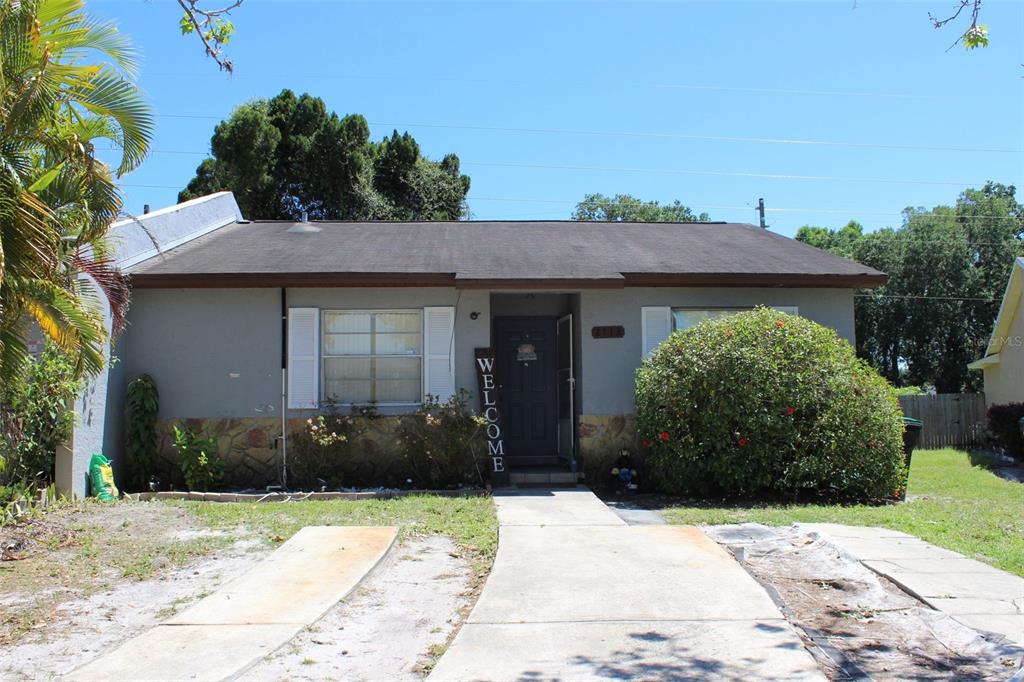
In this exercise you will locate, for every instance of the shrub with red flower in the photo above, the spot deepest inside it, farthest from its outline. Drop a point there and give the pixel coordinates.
(748, 373)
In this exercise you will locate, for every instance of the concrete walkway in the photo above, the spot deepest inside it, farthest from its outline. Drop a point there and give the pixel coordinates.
(225, 633)
(974, 593)
(577, 594)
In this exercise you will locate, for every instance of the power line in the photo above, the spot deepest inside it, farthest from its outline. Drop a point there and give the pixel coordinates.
(718, 207)
(715, 173)
(562, 82)
(712, 173)
(752, 207)
(665, 135)
(715, 138)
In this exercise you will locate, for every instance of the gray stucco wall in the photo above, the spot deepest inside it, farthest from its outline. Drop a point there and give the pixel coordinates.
(212, 352)
(609, 365)
(99, 422)
(217, 352)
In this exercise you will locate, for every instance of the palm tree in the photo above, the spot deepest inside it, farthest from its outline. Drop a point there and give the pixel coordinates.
(65, 81)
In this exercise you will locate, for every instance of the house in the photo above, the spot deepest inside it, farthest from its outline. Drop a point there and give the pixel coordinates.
(1003, 364)
(248, 327)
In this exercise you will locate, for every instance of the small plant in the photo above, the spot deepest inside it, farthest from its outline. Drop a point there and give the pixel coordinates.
(1004, 425)
(36, 417)
(141, 409)
(198, 458)
(762, 403)
(442, 443)
(319, 454)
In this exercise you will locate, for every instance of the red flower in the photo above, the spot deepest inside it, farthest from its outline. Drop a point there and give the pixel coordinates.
(779, 324)
(663, 436)
(742, 442)
(646, 443)
(790, 411)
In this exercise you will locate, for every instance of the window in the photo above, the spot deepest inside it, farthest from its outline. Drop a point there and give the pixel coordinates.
(373, 356)
(683, 318)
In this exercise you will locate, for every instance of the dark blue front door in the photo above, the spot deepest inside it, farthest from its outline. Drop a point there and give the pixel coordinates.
(526, 373)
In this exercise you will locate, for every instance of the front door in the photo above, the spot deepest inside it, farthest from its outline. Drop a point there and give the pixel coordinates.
(527, 377)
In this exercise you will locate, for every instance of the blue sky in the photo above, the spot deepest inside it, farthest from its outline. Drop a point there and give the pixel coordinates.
(575, 78)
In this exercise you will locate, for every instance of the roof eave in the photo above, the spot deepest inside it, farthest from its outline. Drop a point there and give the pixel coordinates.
(790, 280)
(144, 280)
(987, 361)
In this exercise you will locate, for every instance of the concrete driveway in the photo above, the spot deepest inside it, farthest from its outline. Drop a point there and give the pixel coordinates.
(577, 594)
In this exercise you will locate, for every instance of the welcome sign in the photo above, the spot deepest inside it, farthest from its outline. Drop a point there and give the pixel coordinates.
(491, 411)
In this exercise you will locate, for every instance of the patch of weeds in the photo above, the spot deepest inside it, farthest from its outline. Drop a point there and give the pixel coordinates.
(470, 521)
(952, 502)
(433, 655)
(308, 661)
(858, 613)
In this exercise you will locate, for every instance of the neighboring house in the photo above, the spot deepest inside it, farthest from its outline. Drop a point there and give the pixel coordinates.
(1003, 364)
(386, 312)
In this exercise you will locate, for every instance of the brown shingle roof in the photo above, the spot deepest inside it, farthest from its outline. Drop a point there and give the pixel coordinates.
(525, 253)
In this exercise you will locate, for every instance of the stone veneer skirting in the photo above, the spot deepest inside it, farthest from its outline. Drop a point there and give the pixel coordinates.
(601, 439)
(247, 448)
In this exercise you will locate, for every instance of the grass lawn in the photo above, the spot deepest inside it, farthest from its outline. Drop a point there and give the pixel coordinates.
(469, 521)
(951, 503)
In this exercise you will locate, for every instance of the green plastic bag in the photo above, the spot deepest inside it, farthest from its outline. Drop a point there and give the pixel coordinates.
(101, 476)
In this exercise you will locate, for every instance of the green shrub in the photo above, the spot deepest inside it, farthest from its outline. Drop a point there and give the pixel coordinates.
(911, 390)
(443, 443)
(762, 403)
(141, 408)
(200, 463)
(1004, 425)
(36, 416)
(320, 455)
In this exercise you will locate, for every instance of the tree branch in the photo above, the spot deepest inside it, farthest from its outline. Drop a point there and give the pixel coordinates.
(975, 35)
(213, 28)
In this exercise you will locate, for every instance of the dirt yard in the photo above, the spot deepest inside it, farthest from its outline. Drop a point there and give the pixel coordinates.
(81, 579)
(857, 624)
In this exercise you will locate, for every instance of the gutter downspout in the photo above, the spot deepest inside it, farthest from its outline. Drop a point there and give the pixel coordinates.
(284, 388)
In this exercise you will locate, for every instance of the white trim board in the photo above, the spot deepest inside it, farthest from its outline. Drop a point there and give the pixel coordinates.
(152, 253)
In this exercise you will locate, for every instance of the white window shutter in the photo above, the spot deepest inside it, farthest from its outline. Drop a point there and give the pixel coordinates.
(439, 352)
(303, 358)
(656, 326)
(789, 309)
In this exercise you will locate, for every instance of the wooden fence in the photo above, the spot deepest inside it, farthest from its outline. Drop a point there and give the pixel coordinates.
(949, 418)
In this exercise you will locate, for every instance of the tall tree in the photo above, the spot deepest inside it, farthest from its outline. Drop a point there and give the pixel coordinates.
(289, 155)
(623, 207)
(947, 270)
(67, 80)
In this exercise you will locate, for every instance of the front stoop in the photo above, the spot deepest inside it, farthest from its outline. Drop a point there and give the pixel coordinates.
(555, 477)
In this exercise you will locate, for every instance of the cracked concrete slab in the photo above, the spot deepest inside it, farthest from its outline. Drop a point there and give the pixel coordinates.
(978, 595)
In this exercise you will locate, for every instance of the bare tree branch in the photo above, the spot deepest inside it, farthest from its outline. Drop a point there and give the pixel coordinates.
(975, 35)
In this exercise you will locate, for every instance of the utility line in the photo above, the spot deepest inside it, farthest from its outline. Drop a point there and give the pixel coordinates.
(715, 173)
(506, 82)
(754, 208)
(713, 207)
(662, 135)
